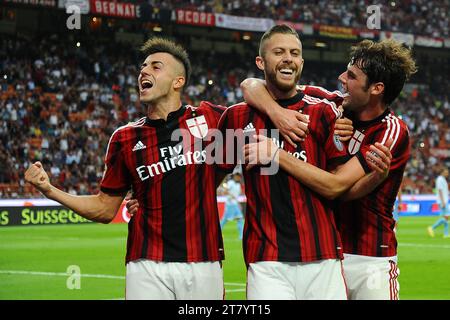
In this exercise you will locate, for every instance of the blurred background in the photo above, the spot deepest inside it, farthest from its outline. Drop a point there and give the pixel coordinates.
(64, 91)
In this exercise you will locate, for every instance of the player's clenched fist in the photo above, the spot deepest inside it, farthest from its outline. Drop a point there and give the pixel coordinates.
(37, 176)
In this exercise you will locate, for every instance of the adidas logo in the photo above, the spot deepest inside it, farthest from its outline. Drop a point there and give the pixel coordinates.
(139, 146)
(249, 128)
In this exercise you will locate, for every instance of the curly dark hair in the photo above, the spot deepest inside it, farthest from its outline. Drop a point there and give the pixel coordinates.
(386, 61)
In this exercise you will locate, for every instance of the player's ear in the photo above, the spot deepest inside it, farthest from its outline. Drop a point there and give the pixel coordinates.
(260, 63)
(179, 82)
(377, 88)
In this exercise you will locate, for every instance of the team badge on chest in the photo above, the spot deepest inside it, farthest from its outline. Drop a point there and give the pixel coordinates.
(198, 126)
(355, 142)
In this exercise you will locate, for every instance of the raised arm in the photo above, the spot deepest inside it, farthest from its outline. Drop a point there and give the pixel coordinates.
(99, 208)
(329, 185)
(293, 125)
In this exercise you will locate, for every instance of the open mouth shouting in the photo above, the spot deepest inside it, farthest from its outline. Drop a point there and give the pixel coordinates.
(145, 85)
(343, 90)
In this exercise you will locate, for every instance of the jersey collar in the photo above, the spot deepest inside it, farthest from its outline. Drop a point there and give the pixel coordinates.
(362, 124)
(174, 115)
(290, 101)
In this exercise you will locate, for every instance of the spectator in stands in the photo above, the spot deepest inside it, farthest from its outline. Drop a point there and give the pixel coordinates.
(83, 99)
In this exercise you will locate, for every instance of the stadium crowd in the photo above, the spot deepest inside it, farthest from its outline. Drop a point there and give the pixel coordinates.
(60, 103)
(412, 16)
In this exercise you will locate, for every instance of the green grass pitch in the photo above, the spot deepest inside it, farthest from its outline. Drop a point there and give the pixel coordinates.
(34, 261)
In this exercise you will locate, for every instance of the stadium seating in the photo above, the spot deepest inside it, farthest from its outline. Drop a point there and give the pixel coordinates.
(59, 105)
(413, 16)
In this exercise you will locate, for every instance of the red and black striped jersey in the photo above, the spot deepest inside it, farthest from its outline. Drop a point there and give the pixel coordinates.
(286, 221)
(322, 93)
(367, 224)
(166, 168)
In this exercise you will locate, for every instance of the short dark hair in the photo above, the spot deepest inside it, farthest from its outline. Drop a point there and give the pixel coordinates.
(157, 44)
(386, 61)
(280, 28)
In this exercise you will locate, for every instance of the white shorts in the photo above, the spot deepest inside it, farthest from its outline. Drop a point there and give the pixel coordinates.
(371, 278)
(153, 280)
(273, 280)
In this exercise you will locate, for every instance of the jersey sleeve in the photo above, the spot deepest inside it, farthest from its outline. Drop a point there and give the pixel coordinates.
(400, 148)
(322, 93)
(335, 150)
(116, 177)
(217, 110)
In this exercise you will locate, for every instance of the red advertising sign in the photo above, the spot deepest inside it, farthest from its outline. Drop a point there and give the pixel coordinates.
(115, 9)
(337, 32)
(195, 18)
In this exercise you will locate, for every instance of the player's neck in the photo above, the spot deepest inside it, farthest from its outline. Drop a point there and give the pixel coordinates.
(278, 94)
(161, 108)
(371, 111)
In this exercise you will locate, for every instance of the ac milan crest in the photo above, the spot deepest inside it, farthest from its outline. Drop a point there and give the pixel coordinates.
(355, 142)
(198, 126)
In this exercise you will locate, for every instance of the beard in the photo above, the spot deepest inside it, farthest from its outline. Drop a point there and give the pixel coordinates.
(282, 86)
(356, 101)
